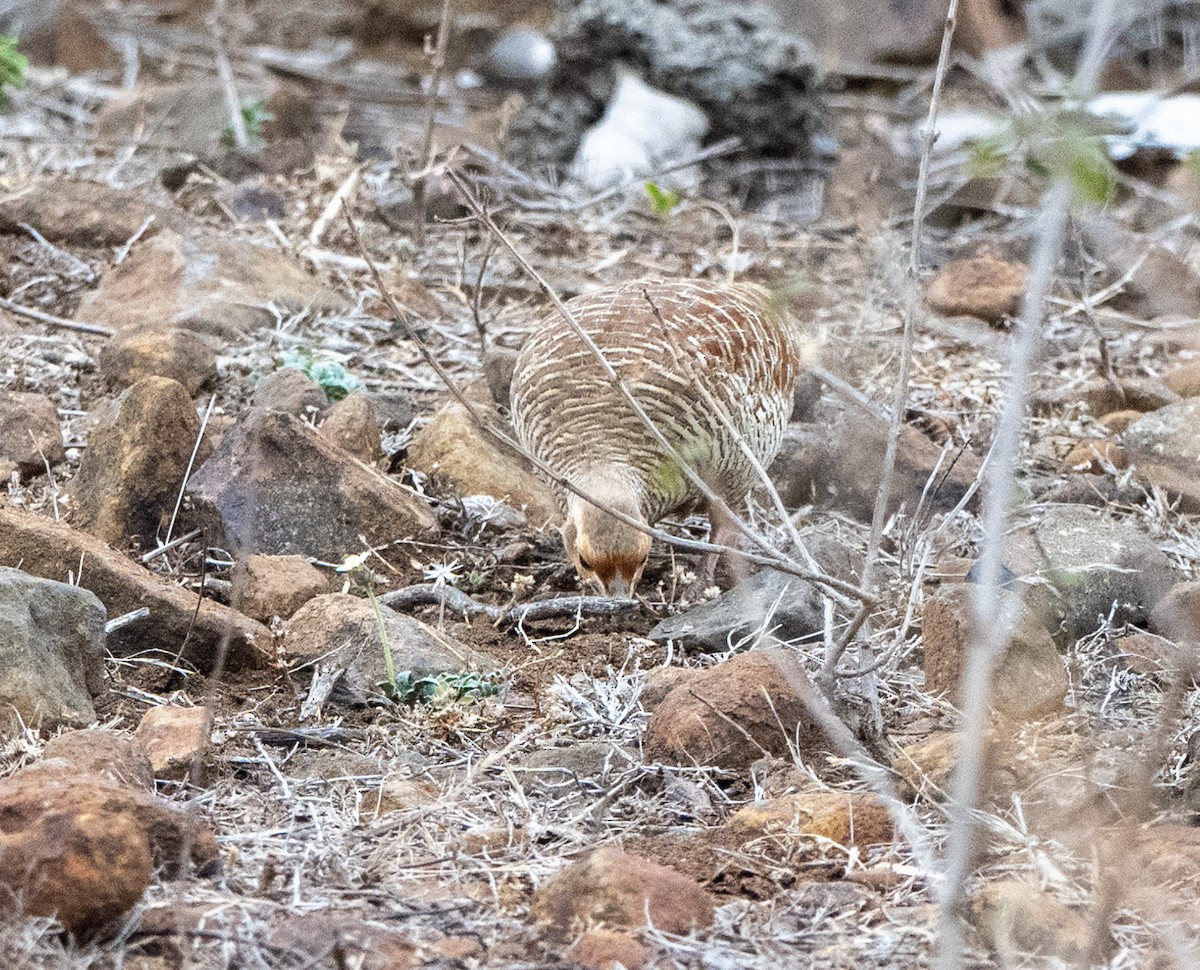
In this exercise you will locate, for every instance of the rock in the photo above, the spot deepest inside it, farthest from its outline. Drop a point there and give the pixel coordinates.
(984, 286)
(150, 351)
(1096, 456)
(174, 738)
(838, 462)
(1155, 656)
(848, 819)
(209, 636)
(398, 794)
(1164, 447)
(583, 759)
(203, 283)
(352, 426)
(929, 762)
(1177, 614)
(1013, 917)
(601, 949)
(104, 754)
(619, 890)
(1118, 421)
(660, 681)
(753, 79)
(1184, 379)
(320, 501)
(30, 435)
(731, 714)
(82, 848)
(769, 603)
(1085, 562)
(498, 366)
(291, 391)
(642, 130)
(1029, 679)
(270, 586)
(454, 449)
(86, 213)
(1161, 285)
(51, 650)
(342, 632)
(135, 462)
(329, 938)
(1099, 396)
(519, 56)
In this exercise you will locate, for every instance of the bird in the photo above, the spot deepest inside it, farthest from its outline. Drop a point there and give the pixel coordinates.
(708, 362)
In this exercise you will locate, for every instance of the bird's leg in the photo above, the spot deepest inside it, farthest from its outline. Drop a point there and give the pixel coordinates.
(723, 532)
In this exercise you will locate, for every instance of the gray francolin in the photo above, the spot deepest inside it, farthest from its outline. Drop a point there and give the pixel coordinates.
(663, 339)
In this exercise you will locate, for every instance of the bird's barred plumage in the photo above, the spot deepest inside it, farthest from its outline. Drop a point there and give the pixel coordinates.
(662, 338)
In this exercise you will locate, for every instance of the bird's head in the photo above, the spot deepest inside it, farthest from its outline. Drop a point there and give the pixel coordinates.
(607, 553)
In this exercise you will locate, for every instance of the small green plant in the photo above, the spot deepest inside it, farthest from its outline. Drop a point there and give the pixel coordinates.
(662, 201)
(254, 119)
(12, 66)
(441, 690)
(334, 379)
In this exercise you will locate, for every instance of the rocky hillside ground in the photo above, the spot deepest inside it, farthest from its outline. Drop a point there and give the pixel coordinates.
(294, 672)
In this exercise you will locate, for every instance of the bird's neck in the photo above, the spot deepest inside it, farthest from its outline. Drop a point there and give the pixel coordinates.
(611, 487)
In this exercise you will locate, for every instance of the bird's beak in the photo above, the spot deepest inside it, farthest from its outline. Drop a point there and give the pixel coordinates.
(619, 588)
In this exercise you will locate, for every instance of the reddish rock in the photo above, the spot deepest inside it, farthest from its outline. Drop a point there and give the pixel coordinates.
(103, 754)
(660, 681)
(1118, 421)
(269, 586)
(174, 738)
(150, 351)
(1177, 615)
(984, 286)
(1155, 656)
(615, 890)
(731, 714)
(352, 426)
(608, 950)
(135, 462)
(291, 391)
(453, 449)
(54, 550)
(849, 819)
(30, 435)
(86, 213)
(1096, 456)
(1029, 679)
(277, 486)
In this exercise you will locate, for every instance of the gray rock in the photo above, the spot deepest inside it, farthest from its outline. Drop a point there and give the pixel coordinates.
(520, 55)
(51, 650)
(275, 485)
(341, 632)
(787, 607)
(1164, 447)
(1078, 562)
(583, 759)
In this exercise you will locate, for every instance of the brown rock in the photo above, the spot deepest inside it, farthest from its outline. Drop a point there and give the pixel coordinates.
(291, 391)
(608, 950)
(54, 550)
(51, 650)
(451, 447)
(660, 681)
(104, 754)
(86, 213)
(617, 890)
(343, 632)
(1013, 917)
(398, 794)
(984, 286)
(1118, 421)
(1161, 285)
(220, 285)
(1100, 396)
(326, 938)
(83, 848)
(1096, 457)
(174, 738)
(732, 714)
(320, 501)
(1177, 615)
(269, 586)
(1165, 449)
(845, 819)
(30, 435)
(1184, 379)
(1155, 656)
(837, 461)
(166, 352)
(135, 462)
(351, 425)
(929, 763)
(1029, 679)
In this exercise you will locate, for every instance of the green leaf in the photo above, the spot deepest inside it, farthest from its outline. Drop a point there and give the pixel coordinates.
(334, 379)
(12, 65)
(662, 201)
